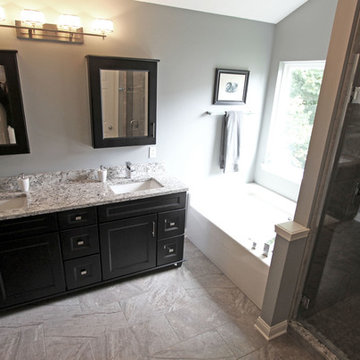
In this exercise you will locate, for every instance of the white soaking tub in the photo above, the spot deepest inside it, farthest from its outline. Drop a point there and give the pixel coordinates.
(225, 220)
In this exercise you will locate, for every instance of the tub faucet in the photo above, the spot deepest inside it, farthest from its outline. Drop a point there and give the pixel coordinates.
(129, 169)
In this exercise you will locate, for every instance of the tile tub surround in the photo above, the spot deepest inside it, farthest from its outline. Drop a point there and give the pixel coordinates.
(193, 312)
(66, 190)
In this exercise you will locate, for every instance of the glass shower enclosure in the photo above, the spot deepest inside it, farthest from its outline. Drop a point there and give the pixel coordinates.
(330, 307)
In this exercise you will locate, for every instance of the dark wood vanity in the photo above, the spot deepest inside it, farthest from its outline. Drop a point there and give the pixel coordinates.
(53, 254)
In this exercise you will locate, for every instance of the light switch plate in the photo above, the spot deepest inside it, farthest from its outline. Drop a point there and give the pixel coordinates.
(152, 152)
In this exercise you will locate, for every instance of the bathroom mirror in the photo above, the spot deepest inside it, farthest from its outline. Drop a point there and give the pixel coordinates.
(122, 101)
(13, 135)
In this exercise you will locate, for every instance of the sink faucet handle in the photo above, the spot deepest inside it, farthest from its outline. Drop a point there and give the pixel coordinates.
(129, 166)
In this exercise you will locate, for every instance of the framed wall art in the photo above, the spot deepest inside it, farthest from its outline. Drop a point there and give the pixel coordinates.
(231, 86)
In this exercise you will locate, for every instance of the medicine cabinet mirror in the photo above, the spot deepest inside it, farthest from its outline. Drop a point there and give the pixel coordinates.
(13, 135)
(122, 101)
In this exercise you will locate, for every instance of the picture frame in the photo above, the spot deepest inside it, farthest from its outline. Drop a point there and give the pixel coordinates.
(230, 86)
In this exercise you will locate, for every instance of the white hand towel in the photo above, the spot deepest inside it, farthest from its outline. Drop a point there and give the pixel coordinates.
(230, 142)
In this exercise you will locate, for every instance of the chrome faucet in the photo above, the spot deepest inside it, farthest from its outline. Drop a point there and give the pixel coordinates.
(129, 169)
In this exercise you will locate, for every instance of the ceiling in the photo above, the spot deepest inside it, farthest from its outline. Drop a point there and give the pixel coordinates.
(270, 11)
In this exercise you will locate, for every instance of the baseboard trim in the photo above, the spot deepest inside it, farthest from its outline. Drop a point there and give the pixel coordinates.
(270, 332)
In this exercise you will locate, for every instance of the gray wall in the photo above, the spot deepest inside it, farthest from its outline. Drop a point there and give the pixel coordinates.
(190, 45)
(303, 35)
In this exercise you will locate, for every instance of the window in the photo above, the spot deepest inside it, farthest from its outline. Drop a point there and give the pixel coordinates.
(296, 96)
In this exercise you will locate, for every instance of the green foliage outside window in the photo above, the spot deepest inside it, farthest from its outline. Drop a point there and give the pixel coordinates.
(304, 93)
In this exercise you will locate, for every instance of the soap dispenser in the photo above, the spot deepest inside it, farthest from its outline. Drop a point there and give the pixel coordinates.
(102, 173)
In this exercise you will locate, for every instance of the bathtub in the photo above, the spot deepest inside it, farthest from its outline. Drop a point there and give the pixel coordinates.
(226, 220)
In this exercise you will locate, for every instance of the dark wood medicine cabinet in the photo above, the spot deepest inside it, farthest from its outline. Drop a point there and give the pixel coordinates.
(122, 100)
(13, 134)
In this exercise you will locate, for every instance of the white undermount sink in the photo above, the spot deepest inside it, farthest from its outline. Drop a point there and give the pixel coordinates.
(12, 203)
(135, 186)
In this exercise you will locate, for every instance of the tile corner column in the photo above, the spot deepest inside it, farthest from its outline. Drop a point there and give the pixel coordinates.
(281, 284)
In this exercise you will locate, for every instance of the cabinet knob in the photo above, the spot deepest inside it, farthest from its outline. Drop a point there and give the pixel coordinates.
(81, 242)
(172, 223)
(83, 272)
(77, 218)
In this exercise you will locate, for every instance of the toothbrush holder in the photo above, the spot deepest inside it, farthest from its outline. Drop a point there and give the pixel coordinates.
(102, 173)
(24, 184)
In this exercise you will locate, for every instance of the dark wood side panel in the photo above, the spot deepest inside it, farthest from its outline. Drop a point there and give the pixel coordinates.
(132, 208)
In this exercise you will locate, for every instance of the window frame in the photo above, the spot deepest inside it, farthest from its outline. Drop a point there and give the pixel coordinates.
(266, 175)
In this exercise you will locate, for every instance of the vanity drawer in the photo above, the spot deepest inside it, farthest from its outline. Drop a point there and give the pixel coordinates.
(79, 242)
(78, 217)
(27, 226)
(170, 250)
(146, 206)
(83, 271)
(171, 223)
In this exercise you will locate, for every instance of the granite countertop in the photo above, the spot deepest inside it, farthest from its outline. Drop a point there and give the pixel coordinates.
(53, 192)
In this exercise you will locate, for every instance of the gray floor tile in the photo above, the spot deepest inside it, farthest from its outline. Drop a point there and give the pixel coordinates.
(241, 338)
(38, 314)
(190, 250)
(155, 335)
(87, 324)
(26, 342)
(199, 316)
(234, 302)
(61, 348)
(208, 281)
(200, 265)
(138, 309)
(118, 344)
(106, 296)
(205, 346)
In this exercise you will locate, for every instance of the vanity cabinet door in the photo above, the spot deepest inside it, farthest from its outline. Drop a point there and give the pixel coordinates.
(30, 268)
(128, 246)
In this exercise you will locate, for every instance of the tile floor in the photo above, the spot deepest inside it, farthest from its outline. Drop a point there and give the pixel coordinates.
(193, 312)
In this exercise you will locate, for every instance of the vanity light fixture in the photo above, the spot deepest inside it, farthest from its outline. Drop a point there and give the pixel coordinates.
(32, 26)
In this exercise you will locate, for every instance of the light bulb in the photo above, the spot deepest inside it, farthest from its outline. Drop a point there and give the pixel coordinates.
(2, 14)
(69, 22)
(32, 17)
(103, 26)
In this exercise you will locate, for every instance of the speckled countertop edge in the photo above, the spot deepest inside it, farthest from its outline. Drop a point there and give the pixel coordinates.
(72, 193)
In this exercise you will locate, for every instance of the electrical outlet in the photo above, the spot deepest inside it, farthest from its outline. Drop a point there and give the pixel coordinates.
(152, 152)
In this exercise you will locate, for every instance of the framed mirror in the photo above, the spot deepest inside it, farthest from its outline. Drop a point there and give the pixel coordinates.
(122, 101)
(13, 134)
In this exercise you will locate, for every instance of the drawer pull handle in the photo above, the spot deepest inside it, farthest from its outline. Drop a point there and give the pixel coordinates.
(83, 272)
(81, 242)
(77, 218)
(172, 223)
(171, 250)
